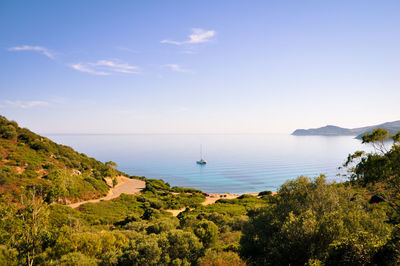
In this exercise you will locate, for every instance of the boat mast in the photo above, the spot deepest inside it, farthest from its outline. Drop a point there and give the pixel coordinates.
(201, 151)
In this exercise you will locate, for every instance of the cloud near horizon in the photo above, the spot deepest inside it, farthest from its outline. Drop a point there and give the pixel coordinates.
(197, 36)
(105, 67)
(23, 105)
(177, 68)
(39, 49)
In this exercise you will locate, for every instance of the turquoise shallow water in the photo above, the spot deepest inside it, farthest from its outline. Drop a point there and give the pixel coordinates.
(236, 163)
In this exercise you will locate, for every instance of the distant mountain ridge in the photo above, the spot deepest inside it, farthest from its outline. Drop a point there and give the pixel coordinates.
(330, 130)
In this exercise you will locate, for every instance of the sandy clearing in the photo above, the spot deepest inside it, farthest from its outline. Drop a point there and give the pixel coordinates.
(211, 200)
(214, 197)
(125, 185)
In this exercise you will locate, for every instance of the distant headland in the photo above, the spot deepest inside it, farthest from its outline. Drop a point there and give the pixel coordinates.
(330, 130)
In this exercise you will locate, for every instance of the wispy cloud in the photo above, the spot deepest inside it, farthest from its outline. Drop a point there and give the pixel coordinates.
(105, 67)
(23, 104)
(177, 68)
(86, 67)
(197, 36)
(39, 49)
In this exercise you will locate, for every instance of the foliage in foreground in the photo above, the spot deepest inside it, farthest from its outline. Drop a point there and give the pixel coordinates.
(311, 220)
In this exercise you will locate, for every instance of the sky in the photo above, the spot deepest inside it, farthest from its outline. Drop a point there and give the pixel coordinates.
(167, 67)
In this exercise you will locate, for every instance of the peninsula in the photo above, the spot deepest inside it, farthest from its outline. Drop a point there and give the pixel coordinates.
(330, 130)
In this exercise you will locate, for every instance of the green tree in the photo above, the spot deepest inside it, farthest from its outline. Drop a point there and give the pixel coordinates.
(32, 215)
(379, 171)
(183, 245)
(111, 164)
(144, 251)
(207, 232)
(76, 259)
(162, 225)
(377, 139)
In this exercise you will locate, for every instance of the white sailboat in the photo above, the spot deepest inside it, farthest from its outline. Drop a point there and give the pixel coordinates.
(201, 161)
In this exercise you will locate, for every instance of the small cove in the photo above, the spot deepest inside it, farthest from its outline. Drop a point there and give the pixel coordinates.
(236, 163)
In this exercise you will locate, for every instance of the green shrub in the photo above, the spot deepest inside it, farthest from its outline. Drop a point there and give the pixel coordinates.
(156, 184)
(6, 175)
(150, 214)
(220, 258)
(8, 256)
(8, 132)
(113, 211)
(207, 232)
(183, 245)
(76, 259)
(139, 227)
(162, 225)
(144, 251)
(265, 193)
(128, 219)
(61, 215)
(185, 190)
(30, 174)
(357, 249)
(245, 196)
(40, 145)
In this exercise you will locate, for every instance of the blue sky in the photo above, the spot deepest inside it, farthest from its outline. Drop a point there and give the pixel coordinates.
(198, 66)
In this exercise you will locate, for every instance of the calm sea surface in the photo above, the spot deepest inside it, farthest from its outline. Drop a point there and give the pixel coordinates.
(236, 163)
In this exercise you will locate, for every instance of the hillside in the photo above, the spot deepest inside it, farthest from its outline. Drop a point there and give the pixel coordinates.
(330, 130)
(55, 171)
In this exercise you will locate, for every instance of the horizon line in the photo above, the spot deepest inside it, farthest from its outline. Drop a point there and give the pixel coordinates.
(208, 133)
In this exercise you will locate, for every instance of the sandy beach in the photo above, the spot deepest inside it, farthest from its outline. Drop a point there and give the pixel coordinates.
(125, 185)
(211, 199)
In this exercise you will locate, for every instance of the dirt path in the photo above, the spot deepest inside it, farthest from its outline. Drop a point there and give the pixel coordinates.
(125, 185)
(176, 212)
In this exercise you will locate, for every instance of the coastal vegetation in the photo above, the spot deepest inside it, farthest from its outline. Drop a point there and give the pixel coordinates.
(29, 160)
(308, 221)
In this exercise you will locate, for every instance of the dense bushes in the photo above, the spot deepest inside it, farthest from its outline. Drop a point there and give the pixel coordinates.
(311, 219)
(6, 175)
(265, 193)
(175, 247)
(108, 212)
(308, 221)
(169, 200)
(153, 185)
(220, 258)
(8, 132)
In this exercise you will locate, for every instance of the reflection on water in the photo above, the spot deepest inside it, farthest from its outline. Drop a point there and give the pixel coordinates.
(236, 163)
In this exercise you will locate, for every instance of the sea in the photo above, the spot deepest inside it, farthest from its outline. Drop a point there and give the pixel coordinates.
(236, 163)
